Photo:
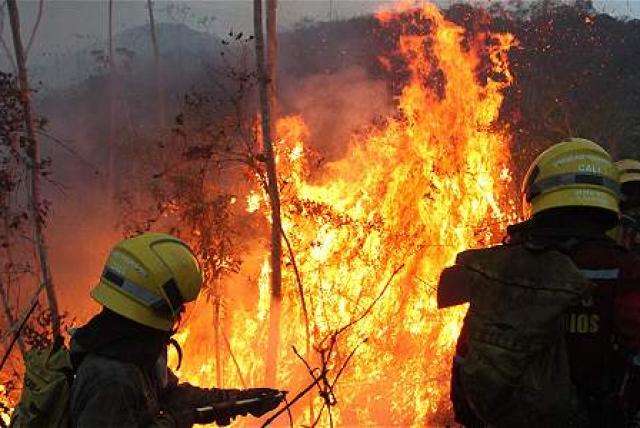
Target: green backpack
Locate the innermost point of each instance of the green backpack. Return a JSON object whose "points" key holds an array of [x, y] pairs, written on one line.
{"points": [[47, 388], [515, 371]]}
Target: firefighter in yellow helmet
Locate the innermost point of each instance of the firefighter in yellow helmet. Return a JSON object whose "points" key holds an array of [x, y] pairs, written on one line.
{"points": [[119, 356], [628, 233], [554, 319]]}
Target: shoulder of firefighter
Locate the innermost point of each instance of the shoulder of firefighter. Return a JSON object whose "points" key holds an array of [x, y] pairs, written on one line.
{"points": [[111, 393], [552, 333], [577, 312]]}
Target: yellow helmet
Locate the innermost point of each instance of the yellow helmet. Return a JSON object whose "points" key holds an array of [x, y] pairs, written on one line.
{"points": [[629, 170], [148, 279], [573, 173], [629, 185]]}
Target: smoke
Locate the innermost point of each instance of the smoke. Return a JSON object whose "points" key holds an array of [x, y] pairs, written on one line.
{"points": [[336, 105], [83, 223]]}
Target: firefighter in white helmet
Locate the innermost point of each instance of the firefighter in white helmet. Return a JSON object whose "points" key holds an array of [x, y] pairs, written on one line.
{"points": [[119, 356]]}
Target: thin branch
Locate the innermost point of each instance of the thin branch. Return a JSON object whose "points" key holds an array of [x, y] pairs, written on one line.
{"points": [[426, 284], [375, 301], [329, 393], [16, 327], [310, 370], [35, 28], [346, 362], [295, 399], [3, 44], [288, 407], [64, 144], [23, 322], [317, 419], [326, 387], [6, 308], [233, 358], [300, 289], [313, 376], [7, 52], [19, 156]]}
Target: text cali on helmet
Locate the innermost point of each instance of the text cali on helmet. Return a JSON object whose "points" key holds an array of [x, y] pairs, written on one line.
{"points": [[148, 279], [572, 174]]}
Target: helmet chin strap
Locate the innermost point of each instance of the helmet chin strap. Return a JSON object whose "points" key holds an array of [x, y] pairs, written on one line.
{"points": [[176, 345]]}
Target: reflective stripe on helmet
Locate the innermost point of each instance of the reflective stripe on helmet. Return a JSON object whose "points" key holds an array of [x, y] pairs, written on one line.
{"points": [[142, 294], [543, 185], [601, 274]]}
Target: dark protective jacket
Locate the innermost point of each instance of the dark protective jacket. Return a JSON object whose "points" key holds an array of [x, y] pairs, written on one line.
{"points": [[600, 338], [111, 393], [122, 380], [628, 232]]}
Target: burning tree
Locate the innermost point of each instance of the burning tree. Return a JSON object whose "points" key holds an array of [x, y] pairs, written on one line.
{"points": [[266, 67]]}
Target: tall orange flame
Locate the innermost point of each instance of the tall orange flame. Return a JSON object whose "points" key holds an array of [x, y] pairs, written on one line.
{"points": [[407, 197]]}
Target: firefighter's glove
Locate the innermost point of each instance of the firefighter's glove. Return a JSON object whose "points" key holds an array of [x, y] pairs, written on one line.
{"points": [[183, 402], [220, 417], [188, 416], [268, 399]]}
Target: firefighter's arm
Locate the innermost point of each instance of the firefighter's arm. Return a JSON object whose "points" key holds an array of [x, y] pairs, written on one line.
{"points": [[119, 405], [221, 406], [182, 401]]}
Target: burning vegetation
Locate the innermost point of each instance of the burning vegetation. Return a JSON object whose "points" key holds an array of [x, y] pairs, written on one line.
{"points": [[368, 235], [369, 218]]}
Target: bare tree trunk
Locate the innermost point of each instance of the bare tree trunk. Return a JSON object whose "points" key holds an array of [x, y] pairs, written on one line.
{"points": [[6, 310], [156, 57], [111, 143], [35, 200], [267, 95], [34, 30], [7, 281], [4, 46], [272, 57], [217, 326]]}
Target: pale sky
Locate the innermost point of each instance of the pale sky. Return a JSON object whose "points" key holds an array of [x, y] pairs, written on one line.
{"points": [[68, 25]]}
